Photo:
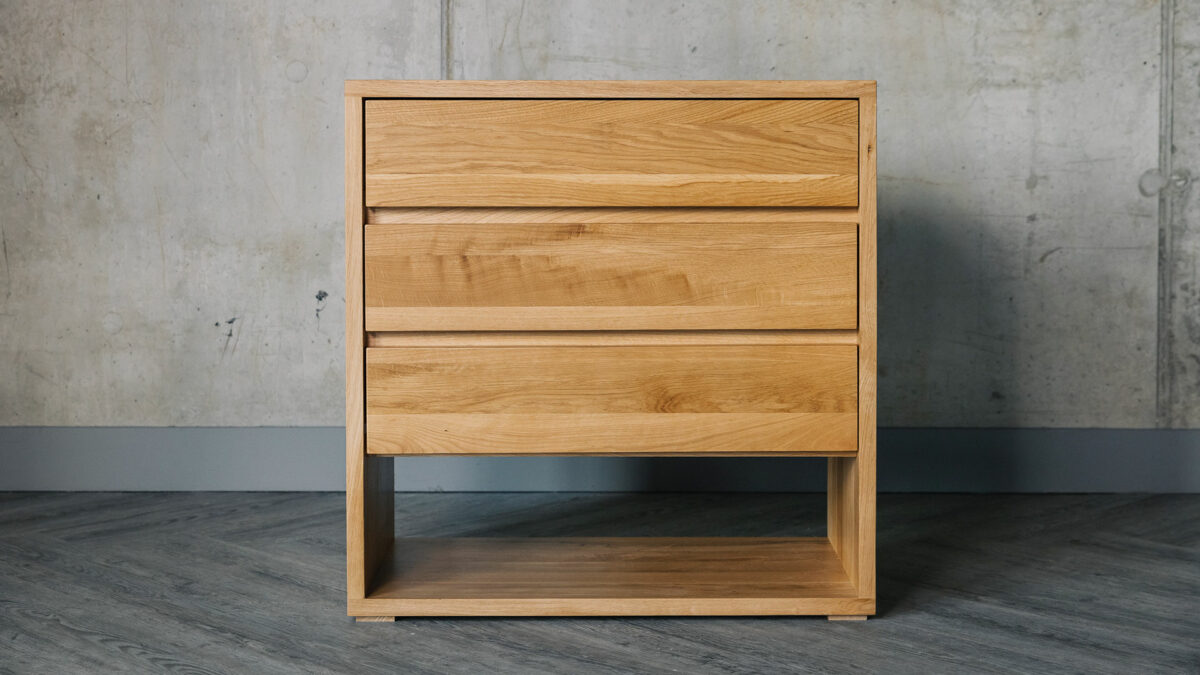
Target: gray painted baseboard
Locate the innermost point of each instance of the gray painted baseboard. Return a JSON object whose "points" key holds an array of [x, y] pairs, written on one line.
{"points": [[311, 458]]}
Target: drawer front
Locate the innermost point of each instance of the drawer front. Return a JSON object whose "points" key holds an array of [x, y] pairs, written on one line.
{"points": [[616, 276], [611, 152], [623, 399]]}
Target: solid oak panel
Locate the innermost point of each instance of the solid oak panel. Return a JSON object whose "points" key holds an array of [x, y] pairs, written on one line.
{"points": [[604, 189], [615, 567], [866, 466], [629, 434], [599, 317], [397, 215], [640, 399], [698, 605], [502, 576], [601, 338], [611, 153], [369, 482], [612, 379], [685, 89], [851, 499], [556, 276]]}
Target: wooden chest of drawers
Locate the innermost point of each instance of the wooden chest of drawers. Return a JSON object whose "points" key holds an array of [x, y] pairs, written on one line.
{"points": [[610, 268]]}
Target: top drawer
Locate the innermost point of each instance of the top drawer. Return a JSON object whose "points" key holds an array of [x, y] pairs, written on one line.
{"points": [[761, 152]]}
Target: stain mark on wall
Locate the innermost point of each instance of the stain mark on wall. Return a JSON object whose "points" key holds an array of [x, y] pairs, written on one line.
{"points": [[321, 295], [1031, 182], [36, 373], [230, 336], [1049, 253]]}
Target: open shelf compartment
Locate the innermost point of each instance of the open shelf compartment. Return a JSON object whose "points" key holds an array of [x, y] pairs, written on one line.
{"points": [[505, 576]]}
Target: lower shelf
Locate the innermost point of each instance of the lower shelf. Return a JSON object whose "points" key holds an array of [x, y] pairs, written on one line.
{"points": [[612, 576]]}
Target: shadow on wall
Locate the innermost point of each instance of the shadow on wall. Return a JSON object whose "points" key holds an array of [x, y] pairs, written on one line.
{"points": [[946, 325]]}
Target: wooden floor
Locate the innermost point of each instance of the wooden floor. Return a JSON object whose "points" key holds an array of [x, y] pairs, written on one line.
{"points": [[238, 583]]}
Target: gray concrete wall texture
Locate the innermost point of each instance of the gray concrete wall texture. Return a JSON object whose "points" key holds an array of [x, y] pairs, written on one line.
{"points": [[170, 214], [1179, 258]]}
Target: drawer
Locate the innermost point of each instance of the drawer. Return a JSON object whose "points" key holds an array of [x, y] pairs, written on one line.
{"points": [[610, 276], [620, 399], [762, 152]]}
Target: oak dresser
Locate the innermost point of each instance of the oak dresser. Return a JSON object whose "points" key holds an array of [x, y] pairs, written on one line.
{"points": [[610, 268]]}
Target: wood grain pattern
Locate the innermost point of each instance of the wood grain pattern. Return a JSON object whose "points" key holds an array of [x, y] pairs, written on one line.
{"points": [[613, 575], [611, 276], [842, 498], [611, 153], [611, 338], [718, 89], [867, 350], [851, 497], [605, 189], [600, 317], [612, 379], [395, 215], [640, 399], [369, 480], [356, 537], [700, 606], [626, 434]]}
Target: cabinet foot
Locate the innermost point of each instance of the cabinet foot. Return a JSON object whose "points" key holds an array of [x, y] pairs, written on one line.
{"points": [[374, 619], [847, 617]]}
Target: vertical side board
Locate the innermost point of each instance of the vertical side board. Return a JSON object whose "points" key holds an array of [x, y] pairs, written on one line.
{"points": [[852, 480], [369, 488], [868, 307]]}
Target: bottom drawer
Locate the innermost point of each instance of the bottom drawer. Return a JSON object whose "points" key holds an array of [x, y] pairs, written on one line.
{"points": [[639, 399]]}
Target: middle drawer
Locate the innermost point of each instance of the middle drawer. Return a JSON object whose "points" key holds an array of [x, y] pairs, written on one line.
{"points": [[610, 275]]}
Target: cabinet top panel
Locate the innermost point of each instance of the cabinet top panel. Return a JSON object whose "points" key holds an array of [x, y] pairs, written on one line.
{"points": [[610, 88]]}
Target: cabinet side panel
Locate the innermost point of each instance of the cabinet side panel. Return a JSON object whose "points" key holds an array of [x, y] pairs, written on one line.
{"points": [[355, 416], [867, 333], [378, 514], [851, 502], [368, 480], [843, 512]]}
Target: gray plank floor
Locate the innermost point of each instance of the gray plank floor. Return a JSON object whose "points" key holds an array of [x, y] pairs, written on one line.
{"points": [[254, 583]]}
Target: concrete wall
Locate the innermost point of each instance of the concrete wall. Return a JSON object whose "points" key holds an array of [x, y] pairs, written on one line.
{"points": [[1179, 256], [170, 213], [172, 205]]}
